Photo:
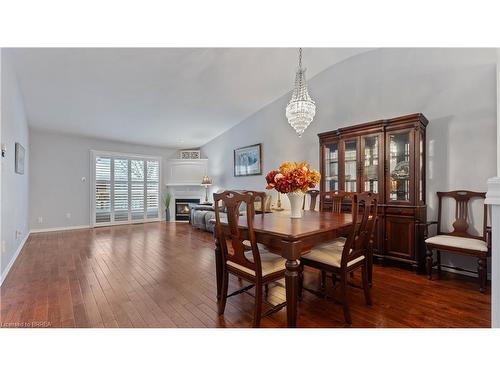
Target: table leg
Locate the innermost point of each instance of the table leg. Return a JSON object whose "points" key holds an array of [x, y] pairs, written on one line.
{"points": [[292, 289], [218, 268]]}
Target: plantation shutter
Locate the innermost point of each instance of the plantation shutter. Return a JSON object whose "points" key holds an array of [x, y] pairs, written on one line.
{"points": [[137, 191], [120, 208], [103, 190], [127, 189], [153, 189]]}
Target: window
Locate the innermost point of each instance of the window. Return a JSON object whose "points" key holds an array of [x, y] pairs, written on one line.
{"points": [[126, 188]]}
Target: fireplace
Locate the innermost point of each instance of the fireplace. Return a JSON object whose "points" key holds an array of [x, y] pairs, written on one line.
{"points": [[182, 208]]}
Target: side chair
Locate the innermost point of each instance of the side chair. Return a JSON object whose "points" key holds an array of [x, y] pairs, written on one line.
{"points": [[242, 256], [460, 241], [341, 257], [314, 196]]}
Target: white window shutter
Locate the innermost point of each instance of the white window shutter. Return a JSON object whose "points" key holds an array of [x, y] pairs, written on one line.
{"points": [[103, 190], [127, 189]]}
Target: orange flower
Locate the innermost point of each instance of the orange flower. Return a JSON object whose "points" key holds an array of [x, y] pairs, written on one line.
{"points": [[293, 176]]}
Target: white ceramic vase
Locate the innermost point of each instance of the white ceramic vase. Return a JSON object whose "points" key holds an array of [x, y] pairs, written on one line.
{"points": [[296, 200]]}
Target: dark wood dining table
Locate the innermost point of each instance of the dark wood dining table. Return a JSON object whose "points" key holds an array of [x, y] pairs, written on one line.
{"points": [[290, 238]]}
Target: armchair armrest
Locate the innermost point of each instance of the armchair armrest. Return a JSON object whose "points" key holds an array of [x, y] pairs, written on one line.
{"points": [[426, 227], [488, 237], [202, 208]]}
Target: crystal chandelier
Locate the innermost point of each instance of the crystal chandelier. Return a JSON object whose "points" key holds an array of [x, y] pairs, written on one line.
{"points": [[301, 109]]}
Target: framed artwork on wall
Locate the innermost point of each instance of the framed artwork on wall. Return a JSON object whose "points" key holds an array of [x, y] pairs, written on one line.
{"points": [[248, 160], [19, 159]]}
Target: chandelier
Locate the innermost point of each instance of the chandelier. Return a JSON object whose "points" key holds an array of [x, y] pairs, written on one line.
{"points": [[301, 109]]}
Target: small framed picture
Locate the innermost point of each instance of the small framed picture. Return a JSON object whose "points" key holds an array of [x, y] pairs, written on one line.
{"points": [[19, 159], [248, 160]]}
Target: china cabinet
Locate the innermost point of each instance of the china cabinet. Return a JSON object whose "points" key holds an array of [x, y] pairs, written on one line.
{"points": [[385, 157]]}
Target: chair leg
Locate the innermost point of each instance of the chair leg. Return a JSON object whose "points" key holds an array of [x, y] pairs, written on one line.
{"points": [[301, 280], [345, 302], [366, 285], [429, 263], [323, 280], [266, 289], [257, 312], [223, 298], [334, 279], [438, 254], [370, 267], [482, 273]]}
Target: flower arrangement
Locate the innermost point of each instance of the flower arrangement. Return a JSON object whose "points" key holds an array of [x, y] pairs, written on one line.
{"points": [[293, 177]]}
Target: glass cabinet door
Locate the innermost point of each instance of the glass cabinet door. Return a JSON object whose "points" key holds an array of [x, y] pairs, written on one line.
{"points": [[370, 163], [399, 166], [350, 165], [331, 176]]}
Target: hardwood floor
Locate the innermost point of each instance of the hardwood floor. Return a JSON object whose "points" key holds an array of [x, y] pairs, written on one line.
{"points": [[163, 275]]}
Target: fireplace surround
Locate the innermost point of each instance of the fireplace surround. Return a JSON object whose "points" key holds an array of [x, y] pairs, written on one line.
{"points": [[182, 208]]}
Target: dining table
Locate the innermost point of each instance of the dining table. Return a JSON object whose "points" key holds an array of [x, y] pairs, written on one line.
{"points": [[290, 238]]}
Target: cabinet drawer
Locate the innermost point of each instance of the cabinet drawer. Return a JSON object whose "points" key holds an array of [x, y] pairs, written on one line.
{"points": [[404, 211]]}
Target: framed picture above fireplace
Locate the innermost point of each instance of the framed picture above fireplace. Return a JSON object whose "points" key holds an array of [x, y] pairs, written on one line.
{"points": [[248, 160]]}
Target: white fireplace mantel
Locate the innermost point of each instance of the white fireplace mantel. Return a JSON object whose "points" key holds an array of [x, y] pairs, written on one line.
{"points": [[183, 179], [184, 191], [186, 172], [493, 199]]}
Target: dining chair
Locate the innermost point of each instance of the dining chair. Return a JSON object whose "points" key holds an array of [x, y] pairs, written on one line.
{"points": [[460, 241], [260, 199], [312, 203], [333, 201], [342, 257], [242, 256], [340, 203]]}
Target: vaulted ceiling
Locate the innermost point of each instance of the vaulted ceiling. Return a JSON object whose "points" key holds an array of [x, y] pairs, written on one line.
{"points": [[172, 97]]}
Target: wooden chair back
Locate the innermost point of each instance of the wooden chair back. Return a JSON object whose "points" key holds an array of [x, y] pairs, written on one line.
{"points": [[314, 196], [236, 251], [257, 196], [364, 217], [337, 199], [461, 223]]}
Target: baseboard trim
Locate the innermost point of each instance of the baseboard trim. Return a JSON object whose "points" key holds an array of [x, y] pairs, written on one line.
{"points": [[59, 229], [12, 261]]}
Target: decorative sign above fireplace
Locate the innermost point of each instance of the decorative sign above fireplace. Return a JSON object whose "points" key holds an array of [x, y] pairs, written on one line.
{"points": [[189, 154]]}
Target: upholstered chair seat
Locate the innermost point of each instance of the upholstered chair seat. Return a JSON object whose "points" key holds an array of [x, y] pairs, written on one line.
{"points": [[336, 244], [331, 255], [248, 246], [271, 263], [459, 242]]}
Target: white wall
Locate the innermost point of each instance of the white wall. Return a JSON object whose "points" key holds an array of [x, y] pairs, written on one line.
{"points": [[454, 88], [14, 187], [57, 165], [498, 112]]}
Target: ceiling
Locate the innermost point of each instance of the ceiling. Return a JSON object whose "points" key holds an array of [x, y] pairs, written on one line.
{"points": [[171, 97]]}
